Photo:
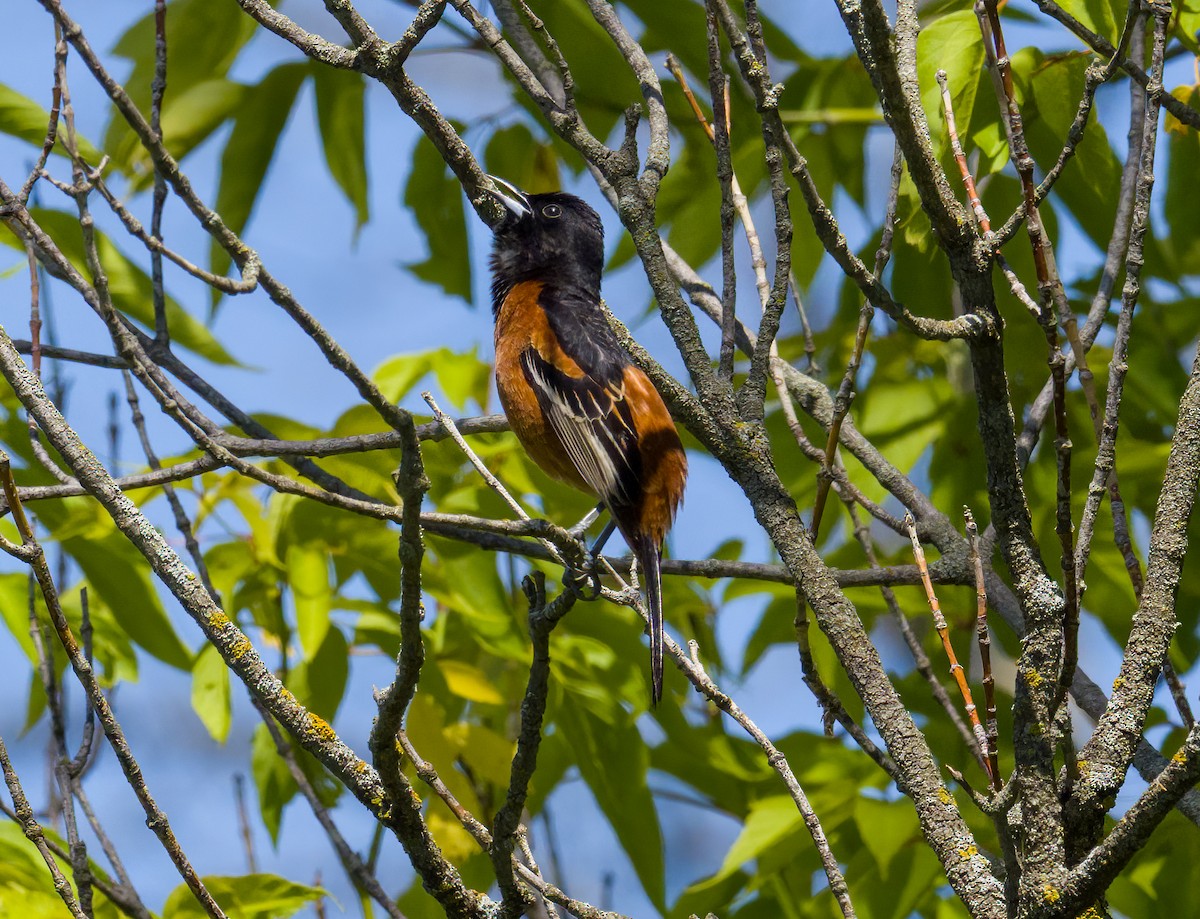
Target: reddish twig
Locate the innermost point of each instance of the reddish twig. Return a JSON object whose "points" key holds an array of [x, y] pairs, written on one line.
{"points": [[939, 623]]}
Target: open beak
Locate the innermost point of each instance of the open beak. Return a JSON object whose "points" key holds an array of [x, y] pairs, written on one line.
{"points": [[512, 198]]}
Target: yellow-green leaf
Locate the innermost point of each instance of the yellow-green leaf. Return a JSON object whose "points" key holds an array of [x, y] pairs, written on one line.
{"points": [[308, 575], [470, 682], [210, 693]]}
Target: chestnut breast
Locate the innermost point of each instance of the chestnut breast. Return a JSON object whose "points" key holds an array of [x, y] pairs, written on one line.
{"points": [[521, 323]]}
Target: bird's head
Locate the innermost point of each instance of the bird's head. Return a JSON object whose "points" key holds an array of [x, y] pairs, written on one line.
{"points": [[553, 237]]}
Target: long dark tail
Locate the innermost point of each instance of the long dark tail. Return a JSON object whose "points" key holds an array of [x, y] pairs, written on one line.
{"points": [[649, 556]]}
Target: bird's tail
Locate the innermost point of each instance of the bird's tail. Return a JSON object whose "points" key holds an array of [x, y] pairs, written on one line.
{"points": [[649, 557]]}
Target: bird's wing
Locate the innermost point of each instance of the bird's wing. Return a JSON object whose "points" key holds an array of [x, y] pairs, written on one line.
{"points": [[594, 420]]}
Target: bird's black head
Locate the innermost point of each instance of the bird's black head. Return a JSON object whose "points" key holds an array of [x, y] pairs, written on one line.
{"points": [[554, 237]]}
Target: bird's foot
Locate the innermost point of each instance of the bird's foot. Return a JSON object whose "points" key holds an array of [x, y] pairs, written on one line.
{"points": [[583, 579]]}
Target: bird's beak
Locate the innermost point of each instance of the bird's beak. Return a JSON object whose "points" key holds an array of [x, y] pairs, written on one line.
{"points": [[512, 198]]}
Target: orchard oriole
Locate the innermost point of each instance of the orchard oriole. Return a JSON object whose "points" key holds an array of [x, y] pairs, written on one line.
{"points": [[584, 413]]}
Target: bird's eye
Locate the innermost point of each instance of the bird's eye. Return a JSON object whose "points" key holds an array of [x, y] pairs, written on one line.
{"points": [[552, 211]]}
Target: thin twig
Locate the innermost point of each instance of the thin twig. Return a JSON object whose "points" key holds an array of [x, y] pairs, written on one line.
{"points": [[862, 533], [566, 550], [123, 899], [939, 623], [36, 835], [158, 87], [845, 393], [1053, 298], [428, 774], [985, 649], [243, 814]]}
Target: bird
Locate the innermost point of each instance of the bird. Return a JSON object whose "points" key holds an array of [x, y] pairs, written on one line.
{"points": [[580, 407]]}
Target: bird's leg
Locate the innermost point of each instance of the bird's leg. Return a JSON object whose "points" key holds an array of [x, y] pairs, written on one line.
{"points": [[609, 529], [589, 518], [584, 581]]}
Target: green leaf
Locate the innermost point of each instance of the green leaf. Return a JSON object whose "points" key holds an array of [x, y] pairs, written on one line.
{"points": [[114, 655], [466, 586], [190, 117], [463, 376], [274, 783], [775, 626], [1101, 16], [954, 44], [1162, 877], [513, 153], [118, 574], [212, 35], [1188, 26], [210, 693], [308, 574], [708, 895], [771, 820], [21, 117], [436, 201], [726, 770], [35, 705], [251, 896], [488, 753], [397, 376], [128, 285], [604, 86], [14, 608], [896, 895], [470, 682], [272, 780], [1050, 87], [26, 889], [248, 153], [889, 825], [613, 760], [1183, 165], [341, 120], [320, 682]]}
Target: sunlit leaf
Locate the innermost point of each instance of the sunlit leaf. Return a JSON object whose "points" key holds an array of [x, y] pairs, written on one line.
{"points": [[954, 44], [250, 896], [320, 682], [769, 821], [308, 574], [211, 33], [21, 117], [513, 153], [211, 698], [470, 683]]}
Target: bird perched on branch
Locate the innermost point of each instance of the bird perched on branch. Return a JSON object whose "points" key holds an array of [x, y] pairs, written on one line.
{"points": [[584, 413]]}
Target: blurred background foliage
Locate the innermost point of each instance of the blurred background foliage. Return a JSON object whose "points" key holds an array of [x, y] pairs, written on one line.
{"points": [[318, 589]]}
